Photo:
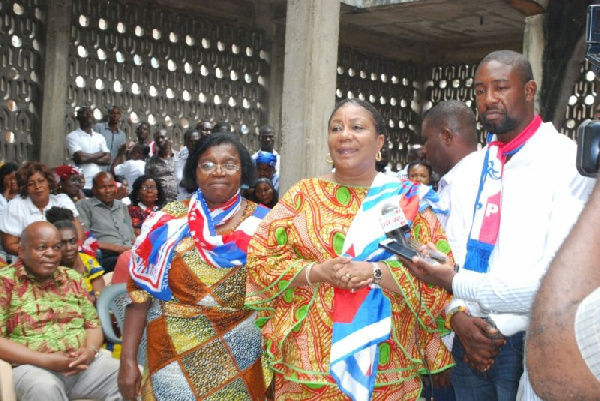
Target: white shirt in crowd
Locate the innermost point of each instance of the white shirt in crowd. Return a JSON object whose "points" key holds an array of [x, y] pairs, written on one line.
{"points": [[131, 170], [179, 166], [542, 196], [19, 213], [80, 140]]}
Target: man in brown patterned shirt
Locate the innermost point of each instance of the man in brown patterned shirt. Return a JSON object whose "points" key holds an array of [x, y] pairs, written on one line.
{"points": [[49, 328]]}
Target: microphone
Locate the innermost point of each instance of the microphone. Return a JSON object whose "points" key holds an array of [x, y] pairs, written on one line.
{"points": [[396, 228], [394, 223]]}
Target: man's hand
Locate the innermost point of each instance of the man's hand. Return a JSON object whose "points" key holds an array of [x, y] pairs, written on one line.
{"points": [[441, 379], [432, 273], [56, 361], [474, 335]]}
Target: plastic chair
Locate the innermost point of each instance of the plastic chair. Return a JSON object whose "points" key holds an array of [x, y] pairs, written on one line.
{"points": [[115, 299]]}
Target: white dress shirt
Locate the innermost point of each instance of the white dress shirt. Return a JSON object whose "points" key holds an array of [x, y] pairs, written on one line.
{"points": [[19, 213], [542, 196], [80, 140]]}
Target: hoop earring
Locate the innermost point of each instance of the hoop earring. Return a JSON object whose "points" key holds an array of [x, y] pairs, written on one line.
{"points": [[378, 156], [328, 158]]}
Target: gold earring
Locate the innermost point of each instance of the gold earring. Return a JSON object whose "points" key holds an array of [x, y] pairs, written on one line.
{"points": [[378, 156], [328, 158]]}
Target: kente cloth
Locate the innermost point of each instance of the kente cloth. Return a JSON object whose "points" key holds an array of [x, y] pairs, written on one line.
{"points": [[488, 204], [202, 342], [161, 232], [361, 320], [310, 224]]}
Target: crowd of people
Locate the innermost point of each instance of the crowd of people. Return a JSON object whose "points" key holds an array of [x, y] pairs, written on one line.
{"points": [[247, 295]]}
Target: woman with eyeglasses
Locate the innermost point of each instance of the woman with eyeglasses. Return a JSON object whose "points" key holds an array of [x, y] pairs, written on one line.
{"points": [[190, 260], [86, 265], [37, 187], [147, 196]]}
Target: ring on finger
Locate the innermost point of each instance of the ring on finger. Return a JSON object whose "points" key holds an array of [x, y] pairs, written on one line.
{"points": [[348, 275]]}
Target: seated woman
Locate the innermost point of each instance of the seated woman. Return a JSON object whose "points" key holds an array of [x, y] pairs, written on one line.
{"points": [[340, 316], [71, 182], [147, 196], [191, 256], [36, 186], [8, 184], [265, 193], [86, 265]]}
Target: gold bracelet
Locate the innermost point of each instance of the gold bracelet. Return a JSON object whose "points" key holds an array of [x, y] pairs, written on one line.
{"points": [[307, 273], [453, 312]]}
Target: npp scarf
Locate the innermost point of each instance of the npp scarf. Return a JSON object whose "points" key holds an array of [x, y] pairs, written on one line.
{"points": [[361, 320], [486, 214], [152, 253]]}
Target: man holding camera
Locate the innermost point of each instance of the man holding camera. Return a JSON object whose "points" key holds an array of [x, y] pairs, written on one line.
{"points": [[522, 204]]}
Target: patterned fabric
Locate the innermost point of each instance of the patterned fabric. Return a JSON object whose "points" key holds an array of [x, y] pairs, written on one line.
{"points": [[138, 215], [487, 208], [309, 225], [362, 320], [93, 270], [47, 318], [162, 232], [202, 343]]}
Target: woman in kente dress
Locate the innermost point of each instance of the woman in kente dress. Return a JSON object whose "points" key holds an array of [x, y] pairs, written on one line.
{"points": [[340, 316], [191, 256]]}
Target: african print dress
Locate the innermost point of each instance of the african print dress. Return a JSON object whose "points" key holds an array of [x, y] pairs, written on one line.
{"points": [[203, 343], [309, 225]]}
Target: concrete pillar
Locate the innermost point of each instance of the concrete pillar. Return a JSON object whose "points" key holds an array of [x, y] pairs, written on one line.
{"points": [[54, 94], [269, 18], [533, 49], [309, 82]]}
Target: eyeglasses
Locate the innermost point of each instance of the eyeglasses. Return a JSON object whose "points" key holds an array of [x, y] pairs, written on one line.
{"points": [[149, 188], [209, 167]]}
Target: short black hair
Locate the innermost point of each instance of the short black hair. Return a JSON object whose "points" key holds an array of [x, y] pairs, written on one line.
{"points": [[456, 115], [188, 133], [221, 125], [56, 213], [420, 163], [380, 127], [95, 179], [137, 185], [512, 58], [119, 178], [189, 171], [267, 181], [5, 170]]}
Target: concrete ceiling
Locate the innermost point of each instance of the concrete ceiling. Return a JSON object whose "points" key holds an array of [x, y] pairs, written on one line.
{"points": [[424, 31], [436, 31]]}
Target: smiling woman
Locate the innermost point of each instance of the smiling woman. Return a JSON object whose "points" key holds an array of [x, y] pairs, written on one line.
{"points": [[191, 256], [36, 189], [314, 265]]}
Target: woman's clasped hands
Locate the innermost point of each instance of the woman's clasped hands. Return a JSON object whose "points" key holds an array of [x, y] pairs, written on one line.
{"points": [[343, 272]]}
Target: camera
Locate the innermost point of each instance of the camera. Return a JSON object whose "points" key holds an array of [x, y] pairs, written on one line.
{"points": [[588, 133]]}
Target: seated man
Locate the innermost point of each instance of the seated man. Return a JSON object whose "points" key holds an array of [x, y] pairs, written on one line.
{"points": [[108, 219], [50, 330]]}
